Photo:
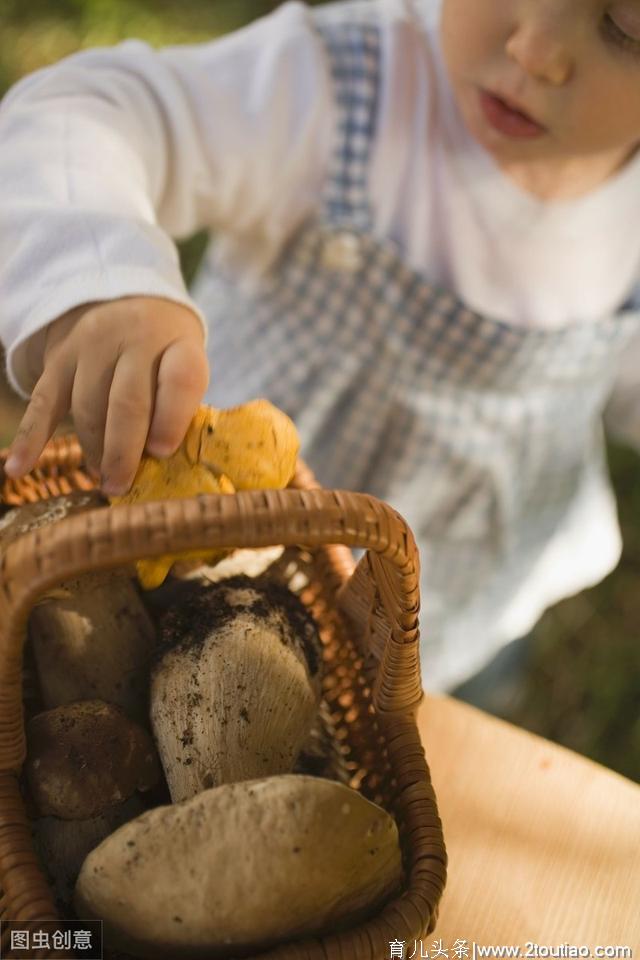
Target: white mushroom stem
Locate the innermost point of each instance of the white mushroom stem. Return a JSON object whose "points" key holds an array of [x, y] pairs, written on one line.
{"points": [[94, 639], [63, 845], [91, 636], [237, 685]]}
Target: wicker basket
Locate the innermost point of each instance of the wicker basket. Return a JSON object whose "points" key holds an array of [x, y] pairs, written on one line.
{"points": [[368, 619]]}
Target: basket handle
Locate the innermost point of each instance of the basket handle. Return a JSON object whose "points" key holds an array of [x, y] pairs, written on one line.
{"points": [[107, 538], [383, 587]]}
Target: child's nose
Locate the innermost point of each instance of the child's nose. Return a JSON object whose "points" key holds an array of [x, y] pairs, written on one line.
{"points": [[541, 47]]}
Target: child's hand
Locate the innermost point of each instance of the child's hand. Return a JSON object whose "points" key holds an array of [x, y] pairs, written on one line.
{"points": [[132, 372]]}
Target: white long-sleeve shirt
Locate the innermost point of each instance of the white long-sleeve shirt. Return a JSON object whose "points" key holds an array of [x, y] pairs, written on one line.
{"points": [[109, 154]]}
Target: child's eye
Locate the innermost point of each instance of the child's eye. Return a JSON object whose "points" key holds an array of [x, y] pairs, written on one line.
{"points": [[626, 36]]}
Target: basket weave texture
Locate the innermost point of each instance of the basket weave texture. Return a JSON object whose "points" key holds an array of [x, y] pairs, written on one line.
{"points": [[368, 620]]}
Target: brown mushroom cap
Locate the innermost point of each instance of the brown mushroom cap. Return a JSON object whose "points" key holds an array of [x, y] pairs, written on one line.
{"points": [[241, 867], [84, 757]]}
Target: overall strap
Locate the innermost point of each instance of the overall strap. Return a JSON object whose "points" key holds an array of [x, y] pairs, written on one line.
{"points": [[351, 36]]}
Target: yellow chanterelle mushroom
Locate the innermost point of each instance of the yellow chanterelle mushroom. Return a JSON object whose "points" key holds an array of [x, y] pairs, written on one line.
{"points": [[250, 447]]}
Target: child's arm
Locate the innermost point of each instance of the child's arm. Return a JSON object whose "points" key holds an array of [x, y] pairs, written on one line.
{"points": [[103, 159]]}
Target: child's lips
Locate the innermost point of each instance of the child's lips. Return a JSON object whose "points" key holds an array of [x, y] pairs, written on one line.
{"points": [[507, 119]]}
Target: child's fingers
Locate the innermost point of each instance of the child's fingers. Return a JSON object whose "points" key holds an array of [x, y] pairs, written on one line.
{"points": [[49, 403], [89, 403], [183, 376], [127, 422]]}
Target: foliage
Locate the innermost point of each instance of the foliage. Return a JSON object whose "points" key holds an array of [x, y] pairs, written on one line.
{"points": [[40, 32]]}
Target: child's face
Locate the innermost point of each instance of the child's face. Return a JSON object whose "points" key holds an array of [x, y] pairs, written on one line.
{"points": [[571, 66]]}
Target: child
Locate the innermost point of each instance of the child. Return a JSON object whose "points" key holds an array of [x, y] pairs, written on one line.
{"points": [[426, 253]]}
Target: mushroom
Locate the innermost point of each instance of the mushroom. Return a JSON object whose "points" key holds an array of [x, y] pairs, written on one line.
{"points": [[250, 447], [236, 686], [85, 757], [94, 639], [91, 636], [86, 763], [62, 845], [244, 562], [242, 867]]}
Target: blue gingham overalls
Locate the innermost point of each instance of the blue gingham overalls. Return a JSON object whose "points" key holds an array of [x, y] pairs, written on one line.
{"points": [[478, 432]]}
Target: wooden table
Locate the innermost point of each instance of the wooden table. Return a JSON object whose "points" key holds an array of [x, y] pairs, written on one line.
{"points": [[544, 845]]}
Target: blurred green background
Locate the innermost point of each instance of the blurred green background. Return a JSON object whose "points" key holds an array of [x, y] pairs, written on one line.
{"points": [[583, 685]]}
